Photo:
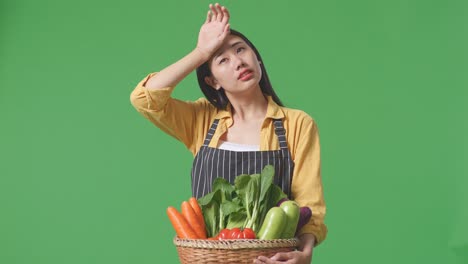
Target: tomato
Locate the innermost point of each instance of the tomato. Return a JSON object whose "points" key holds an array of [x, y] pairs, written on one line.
{"points": [[237, 233], [249, 233], [224, 234]]}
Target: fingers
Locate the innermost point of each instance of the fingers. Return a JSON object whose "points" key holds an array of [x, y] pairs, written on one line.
{"points": [[226, 15], [282, 256], [214, 10], [208, 17], [218, 13], [225, 31], [263, 260]]}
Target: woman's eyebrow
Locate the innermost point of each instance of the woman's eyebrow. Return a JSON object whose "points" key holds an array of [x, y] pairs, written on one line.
{"points": [[219, 54]]}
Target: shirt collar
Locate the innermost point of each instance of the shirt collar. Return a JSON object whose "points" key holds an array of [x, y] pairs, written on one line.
{"points": [[274, 111]]}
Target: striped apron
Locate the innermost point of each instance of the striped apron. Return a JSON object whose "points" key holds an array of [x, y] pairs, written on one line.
{"points": [[211, 163]]}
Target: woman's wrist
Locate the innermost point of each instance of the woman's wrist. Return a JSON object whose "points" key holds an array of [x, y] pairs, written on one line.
{"points": [[204, 55], [307, 243]]}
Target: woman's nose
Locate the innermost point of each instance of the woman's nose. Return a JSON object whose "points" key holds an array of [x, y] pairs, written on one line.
{"points": [[238, 62]]}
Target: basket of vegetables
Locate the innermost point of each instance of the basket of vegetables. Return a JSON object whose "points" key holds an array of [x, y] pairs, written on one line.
{"points": [[237, 223]]}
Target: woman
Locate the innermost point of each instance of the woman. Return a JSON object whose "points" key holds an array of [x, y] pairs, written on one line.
{"points": [[241, 126]]}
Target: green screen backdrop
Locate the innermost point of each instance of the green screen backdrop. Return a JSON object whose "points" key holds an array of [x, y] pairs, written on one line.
{"points": [[85, 179]]}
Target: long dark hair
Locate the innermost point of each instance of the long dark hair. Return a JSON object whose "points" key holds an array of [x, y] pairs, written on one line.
{"points": [[218, 97]]}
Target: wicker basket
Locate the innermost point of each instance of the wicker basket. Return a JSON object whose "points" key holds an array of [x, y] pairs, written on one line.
{"points": [[230, 251]]}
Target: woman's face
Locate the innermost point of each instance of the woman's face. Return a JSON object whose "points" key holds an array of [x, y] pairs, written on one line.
{"points": [[234, 66]]}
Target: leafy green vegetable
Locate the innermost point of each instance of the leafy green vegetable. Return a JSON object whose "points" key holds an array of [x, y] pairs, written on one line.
{"points": [[236, 219], [210, 213], [242, 205], [225, 187], [209, 198]]}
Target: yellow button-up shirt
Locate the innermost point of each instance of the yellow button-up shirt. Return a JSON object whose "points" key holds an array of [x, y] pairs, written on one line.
{"points": [[189, 122]]}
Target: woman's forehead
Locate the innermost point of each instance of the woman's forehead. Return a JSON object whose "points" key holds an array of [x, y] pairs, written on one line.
{"points": [[229, 42]]}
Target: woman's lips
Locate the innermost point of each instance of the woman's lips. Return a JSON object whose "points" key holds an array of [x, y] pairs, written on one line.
{"points": [[246, 76]]}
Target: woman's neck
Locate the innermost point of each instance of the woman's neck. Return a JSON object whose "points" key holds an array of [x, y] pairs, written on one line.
{"points": [[249, 108]]}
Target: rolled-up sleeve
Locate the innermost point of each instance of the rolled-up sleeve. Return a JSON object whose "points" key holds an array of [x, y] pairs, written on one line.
{"points": [[145, 100], [180, 119], [307, 189]]}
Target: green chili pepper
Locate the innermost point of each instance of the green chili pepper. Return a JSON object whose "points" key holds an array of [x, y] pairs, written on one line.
{"points": [[273, 224], [292, 211]]}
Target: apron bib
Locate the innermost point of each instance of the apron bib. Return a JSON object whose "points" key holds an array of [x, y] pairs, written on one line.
{"points": [[211, 163]]}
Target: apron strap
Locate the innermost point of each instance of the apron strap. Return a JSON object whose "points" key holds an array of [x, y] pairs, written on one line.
{"points": [[211, 132], [281, 133]]}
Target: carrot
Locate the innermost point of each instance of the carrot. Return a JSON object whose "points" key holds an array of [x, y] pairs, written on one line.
{"points": [[196, 207], [193, 220], [180, 225]]}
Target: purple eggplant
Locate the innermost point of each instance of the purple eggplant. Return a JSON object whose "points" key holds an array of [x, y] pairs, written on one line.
{"points": [[304, 217]]}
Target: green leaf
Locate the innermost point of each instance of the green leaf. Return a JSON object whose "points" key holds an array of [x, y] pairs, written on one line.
{"points": [[236, 219], [229, 207], [267, 175], [251, 200], [241, 182], [215, 195], [211, 214], [255, 180], [276, 195], [268, 170], [237, 200], [225, 188]]}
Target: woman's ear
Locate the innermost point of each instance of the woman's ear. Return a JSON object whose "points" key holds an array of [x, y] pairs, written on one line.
{"points": [[212, 82]]}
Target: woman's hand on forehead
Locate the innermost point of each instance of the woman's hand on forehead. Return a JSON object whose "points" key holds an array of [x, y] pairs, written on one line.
{"points": [[214, 31], [217, 13]]}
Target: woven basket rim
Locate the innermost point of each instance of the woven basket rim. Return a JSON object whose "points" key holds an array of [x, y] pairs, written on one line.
{"points": [[236, 243]]}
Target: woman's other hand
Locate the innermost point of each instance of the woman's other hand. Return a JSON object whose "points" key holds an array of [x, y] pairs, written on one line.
{"points": [[214, 31], [302, 256], [293, 257]]}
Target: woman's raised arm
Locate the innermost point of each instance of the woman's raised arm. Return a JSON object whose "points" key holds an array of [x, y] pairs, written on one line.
{"points": [[211, 36]]}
